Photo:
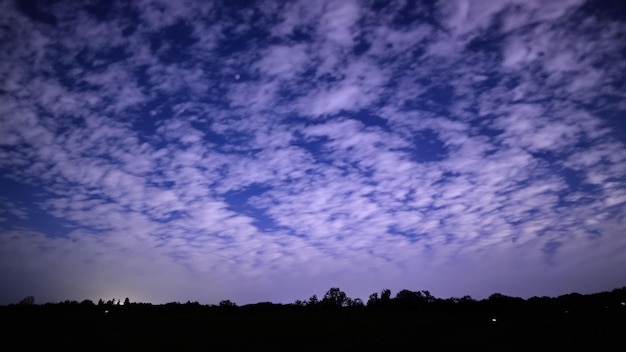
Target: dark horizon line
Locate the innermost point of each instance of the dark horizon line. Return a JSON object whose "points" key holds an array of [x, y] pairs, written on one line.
{"points": [[402, 296]]}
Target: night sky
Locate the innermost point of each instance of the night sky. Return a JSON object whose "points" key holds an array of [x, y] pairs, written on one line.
{"points": [[169, 151]]}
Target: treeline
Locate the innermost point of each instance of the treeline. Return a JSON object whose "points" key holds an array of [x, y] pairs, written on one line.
{"points": [[336, 299], [406, 320]]}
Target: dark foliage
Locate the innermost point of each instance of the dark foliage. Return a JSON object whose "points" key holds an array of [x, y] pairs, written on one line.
{"points": [[412, 320], [28, 300]]}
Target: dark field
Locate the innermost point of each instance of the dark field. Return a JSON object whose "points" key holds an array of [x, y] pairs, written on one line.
{"points": [[193, 327]]}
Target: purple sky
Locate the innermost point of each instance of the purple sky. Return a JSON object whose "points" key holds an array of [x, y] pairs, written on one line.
{"points": [[267, 151]]}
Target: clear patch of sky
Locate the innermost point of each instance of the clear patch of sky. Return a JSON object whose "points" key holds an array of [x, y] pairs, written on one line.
{"points": [[427, 147], [575, 179], [316, 147], [287, 93], [412, 237], [171, 216], [142, 76], [99, 60], [235, 41], [239, 143], [436, 99], [300, 35], [612, 118], [576, 182], [490, 42], [62, 70], [37, 219], [26, 193], [483, 126], [107, 10], [145, 128], [369, 119], [35, 10], [172, 43], [238, 202], [440, 94], [604, 10], [209, 136], [48, 224], [160, 184], [493, 80], [361, 46], [423, 11]]}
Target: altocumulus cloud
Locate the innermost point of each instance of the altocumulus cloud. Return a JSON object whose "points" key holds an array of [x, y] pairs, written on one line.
{"points": [[193, 150]]}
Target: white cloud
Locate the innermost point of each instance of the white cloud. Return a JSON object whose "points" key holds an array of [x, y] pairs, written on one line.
{"points": [[337, 21], [284, 61]]}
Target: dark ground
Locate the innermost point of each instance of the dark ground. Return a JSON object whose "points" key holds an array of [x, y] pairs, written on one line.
{"points": [[183, 327]]}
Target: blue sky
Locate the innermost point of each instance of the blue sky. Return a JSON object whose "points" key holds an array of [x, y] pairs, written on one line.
{"points": [[268, 150]]}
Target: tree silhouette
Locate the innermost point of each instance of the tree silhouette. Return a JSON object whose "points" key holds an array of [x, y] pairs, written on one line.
{"points": [[227, 304], [407, 297], [467, 299], [373, 299], [385, 295], [28, 300], [357, 302], [313, 301], [335, 298], [596, 321], [428, 298]]}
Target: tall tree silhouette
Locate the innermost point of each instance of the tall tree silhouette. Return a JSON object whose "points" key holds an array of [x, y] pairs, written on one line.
{"points": [[335, 298], [313, 301], [373, 299], [385, 295], [28, 300]]}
